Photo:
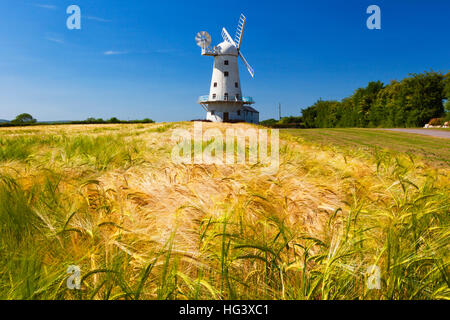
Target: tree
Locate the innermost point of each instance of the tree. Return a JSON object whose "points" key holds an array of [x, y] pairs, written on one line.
{"points": [[424, 95], [447, 111], [447, 96], [309, 116], [447, 86], [366, 104], [24, 118], [269, 122], [411, 102], [114, 120]]}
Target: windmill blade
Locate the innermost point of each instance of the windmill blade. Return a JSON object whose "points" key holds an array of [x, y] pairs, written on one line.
{"points": [[203, 39], [226, 37], [240, 30], [250, 69]]}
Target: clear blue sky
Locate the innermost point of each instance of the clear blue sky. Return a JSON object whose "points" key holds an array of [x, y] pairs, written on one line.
{"points": [[301, 51]]}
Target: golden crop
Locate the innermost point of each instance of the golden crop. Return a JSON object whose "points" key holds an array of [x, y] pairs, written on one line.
{"points": [[108, 199]]}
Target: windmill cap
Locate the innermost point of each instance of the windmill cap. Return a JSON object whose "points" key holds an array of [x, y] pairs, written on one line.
{"points": [[226, 48]]}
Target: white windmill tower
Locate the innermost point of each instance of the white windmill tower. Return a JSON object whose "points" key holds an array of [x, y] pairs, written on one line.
{"points": [[225, 101]]}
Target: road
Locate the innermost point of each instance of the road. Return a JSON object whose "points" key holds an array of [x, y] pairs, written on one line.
{"points": [[427, 132]]}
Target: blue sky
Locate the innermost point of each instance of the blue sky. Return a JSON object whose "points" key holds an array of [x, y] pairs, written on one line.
{"points": [[137, 59]]}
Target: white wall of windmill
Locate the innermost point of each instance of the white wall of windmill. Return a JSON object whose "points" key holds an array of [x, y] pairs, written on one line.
{"points": [[216, 112], [222, 85]]}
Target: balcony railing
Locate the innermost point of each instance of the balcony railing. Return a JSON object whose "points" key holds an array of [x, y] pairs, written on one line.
{"points": [[207, 98]]}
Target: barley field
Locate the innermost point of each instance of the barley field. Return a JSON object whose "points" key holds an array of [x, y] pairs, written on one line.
{"points": [[107, 198]]}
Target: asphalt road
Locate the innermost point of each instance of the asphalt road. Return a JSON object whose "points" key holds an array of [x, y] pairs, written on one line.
{"points": [[428, 132]]}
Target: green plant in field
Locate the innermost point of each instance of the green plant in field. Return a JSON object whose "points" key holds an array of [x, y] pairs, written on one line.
{"points": [[101, 152], [15, 149]]}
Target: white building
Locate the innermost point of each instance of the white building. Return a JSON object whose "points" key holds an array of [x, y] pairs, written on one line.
{"points": [[225, 102]]}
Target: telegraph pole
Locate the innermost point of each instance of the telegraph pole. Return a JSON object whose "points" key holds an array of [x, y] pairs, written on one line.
{"points": [[279, 111]]}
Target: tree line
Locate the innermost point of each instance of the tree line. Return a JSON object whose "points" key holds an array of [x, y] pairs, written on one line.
{"points": [[411, 102]]}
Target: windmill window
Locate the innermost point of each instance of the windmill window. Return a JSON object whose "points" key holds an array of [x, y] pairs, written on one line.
{"points": [[214, 95], [212, 112], [237, 97], [239, 112], [215, 84], [226, 97], [226, 74], [225, 62], [236, 85]]}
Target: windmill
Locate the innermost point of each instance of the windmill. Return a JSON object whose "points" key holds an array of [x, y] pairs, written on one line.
{"points": [[225, 102]]}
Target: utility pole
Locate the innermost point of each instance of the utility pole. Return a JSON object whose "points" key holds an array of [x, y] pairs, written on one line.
{"points": [[279, 111]]}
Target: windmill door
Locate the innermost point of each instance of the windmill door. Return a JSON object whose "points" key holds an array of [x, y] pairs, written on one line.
{"points": [[225, 117]]}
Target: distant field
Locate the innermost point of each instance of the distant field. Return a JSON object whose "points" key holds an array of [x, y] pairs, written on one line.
{"points": [[431, 149]]}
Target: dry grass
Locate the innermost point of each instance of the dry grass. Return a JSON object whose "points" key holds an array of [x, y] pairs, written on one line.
{"points": [[108, 198]]}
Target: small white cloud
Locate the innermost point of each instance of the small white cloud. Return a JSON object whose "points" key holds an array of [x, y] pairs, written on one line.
{"points": [[46, 6], [166, 51], [93, 18], [111, 53], [54, 39]]}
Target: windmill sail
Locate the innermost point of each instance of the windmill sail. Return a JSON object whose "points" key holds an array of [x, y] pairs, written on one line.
{"points": [[226, 37], [249, 68], [240, 30], [203, 39]]}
